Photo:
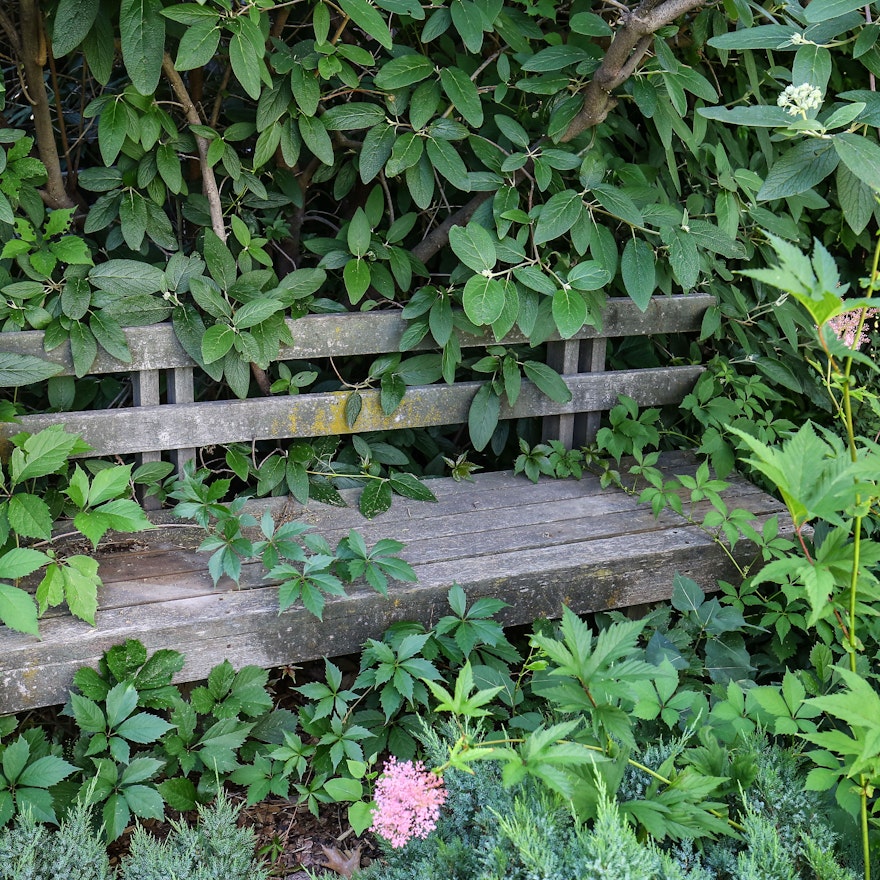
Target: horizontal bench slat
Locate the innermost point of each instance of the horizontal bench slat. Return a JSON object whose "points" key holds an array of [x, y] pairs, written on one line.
{"points": [[149, 428], [361, 333]]}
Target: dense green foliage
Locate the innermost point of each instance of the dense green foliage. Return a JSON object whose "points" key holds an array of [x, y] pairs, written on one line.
{"points": [[212, 849], [467, 164]]}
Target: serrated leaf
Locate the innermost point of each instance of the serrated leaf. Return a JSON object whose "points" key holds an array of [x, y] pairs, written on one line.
{"points": [[18, 610]]}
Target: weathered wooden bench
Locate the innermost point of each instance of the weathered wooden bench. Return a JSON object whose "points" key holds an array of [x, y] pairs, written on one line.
{"points": [[535, 546]]}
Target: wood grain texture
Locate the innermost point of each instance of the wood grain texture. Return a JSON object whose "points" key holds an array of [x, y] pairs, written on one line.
{"points": [[538, 547], [316, 336], [218, 422]]}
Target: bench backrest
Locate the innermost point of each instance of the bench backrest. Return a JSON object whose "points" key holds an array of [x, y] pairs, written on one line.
{"points": [[168, 420]]}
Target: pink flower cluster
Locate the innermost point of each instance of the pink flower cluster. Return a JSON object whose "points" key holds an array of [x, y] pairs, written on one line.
{"points": [[408, 800], [845, 326]]}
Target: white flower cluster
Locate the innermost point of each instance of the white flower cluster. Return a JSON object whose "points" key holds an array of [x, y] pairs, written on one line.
{"points": [[799, 99]]}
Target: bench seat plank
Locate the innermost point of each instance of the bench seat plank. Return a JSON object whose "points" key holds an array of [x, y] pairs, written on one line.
{"points": [[536, 547]]}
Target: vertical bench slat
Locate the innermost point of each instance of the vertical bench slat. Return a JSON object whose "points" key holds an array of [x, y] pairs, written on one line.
{"points": [[181, 389], [145, 392], [569, 357]]}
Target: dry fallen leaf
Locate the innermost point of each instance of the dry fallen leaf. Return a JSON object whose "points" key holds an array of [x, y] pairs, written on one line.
{"points": [[342, 861]]}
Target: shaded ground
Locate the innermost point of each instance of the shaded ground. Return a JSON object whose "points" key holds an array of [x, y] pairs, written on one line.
{"points": [[290, 838]]}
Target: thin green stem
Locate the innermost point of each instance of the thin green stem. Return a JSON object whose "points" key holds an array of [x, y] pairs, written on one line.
{"points": [[857, 539]]}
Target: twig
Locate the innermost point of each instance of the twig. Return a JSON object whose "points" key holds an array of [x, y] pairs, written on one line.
{"points": [[209, 181], [628, 46]]}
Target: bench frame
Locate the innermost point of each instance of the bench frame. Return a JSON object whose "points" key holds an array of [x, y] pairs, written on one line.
{"points": [[537, 547]]}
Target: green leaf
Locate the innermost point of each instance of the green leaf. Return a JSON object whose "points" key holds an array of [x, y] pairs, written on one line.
{"points": [[19, 562], [410, 486], [569, 312], [45, 772], [375, 499], [861, 156], [548, 380], [483, 299], [88, 714], [483, 416], [112, 129], [807, 163], [144, 801], [43, 453], [368, 18], [618, 203], [462, 92], [30, 516], [109, 483], [760, 116], [221, 263], [558, 215], [315, 137], [403, 71], [588, 275], [17, 610], [199, 43], [637, 267], [110, 336], [142, 33], [255, 312], [684, 258], [179, 793], [143, 727], [17, 370], [856, 199], [767, 36], [342, 789], [473, 245], [378, 144], [73, 20], [446, 160], [353, 116], [245, 57], [823, 10], [356, 275], [216, 342], [127, 277]]}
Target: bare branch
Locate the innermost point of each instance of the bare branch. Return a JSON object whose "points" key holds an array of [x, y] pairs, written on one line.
{"points": [[209, 181], [33, 56], [436, 240], [629, 45]]}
